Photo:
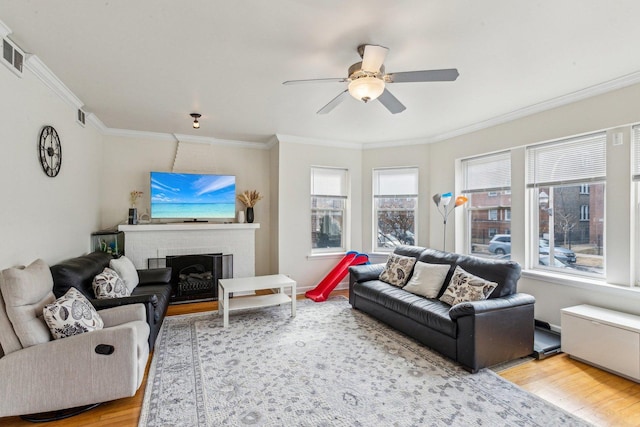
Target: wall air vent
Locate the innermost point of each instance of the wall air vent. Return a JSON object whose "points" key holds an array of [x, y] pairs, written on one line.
{"points": [[81, 117], [12, 56]]}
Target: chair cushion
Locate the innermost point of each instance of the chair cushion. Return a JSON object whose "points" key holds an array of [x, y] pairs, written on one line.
{"points": [[127, 272], [108, 284], [466, 287], [26, 290], [71, 314]]}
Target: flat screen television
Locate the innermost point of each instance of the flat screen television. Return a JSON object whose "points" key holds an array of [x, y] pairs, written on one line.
{"points": [[192, 196]]}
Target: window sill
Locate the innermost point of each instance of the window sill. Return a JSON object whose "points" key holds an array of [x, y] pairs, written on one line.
{"points": [[326, 255], [581, 282]]}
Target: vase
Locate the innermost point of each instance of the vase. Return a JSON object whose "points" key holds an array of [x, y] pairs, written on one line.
{"points": [[133, 216], [240, 217], [249, 215]]}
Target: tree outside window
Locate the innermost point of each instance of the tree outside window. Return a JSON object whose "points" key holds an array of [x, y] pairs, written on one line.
{"points": [[395, 201]]}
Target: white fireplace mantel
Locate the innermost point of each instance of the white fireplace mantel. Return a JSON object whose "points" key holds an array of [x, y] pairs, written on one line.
{"points": [[145, 241]]}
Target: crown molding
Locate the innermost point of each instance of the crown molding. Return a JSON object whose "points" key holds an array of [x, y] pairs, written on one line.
{"points": [[4, 30], [42, 72], [304, 140]]}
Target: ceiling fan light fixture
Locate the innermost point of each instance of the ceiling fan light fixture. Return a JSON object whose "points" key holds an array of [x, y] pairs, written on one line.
{"points": [[366, 88], [196, 123]]}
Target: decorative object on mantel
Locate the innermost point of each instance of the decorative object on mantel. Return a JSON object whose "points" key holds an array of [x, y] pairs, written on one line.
{"points": [[249, 199], [240, 217], [442, 204], [133, 211]]}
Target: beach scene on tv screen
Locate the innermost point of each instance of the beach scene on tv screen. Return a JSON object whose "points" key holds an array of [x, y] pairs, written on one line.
{"points": [[175, 195]]}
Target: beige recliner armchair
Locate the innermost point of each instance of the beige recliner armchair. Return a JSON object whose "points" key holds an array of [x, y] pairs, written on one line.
{"points": [[40, 374]]}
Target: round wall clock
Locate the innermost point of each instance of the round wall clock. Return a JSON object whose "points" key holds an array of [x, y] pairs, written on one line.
{"points": [[50, 151]]}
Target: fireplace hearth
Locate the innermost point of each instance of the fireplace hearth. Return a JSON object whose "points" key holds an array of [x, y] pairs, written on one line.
{"points": [[195, 277]]}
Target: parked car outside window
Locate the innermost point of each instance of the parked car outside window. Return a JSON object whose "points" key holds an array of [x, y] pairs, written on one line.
{"points": [[500, 244]]}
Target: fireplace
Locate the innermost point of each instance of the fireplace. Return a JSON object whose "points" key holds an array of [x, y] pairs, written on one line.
{"points": [[195, 277]]}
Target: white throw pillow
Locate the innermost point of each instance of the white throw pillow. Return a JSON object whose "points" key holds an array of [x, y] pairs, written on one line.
{"points": [[109, 285], [71, 314], [427, 279], [127, 272], [465, 287]]}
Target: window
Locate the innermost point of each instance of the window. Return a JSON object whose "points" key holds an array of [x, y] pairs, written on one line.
{"points": [[487, 184], [584, 213], [329, 191], [584, 189], [569, 227], [395, 201]]}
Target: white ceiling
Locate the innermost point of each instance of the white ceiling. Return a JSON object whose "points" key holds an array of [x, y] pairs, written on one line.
{"points": [[146, 64]]}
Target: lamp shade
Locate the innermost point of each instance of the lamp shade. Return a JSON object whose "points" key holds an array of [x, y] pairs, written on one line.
{"points": [[366, 88]]}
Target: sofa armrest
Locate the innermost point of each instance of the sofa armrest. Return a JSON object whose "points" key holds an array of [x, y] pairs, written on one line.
{"points": [[154, 275], [100, 304], [123, 314], [68, 372], [477, 307], [365, 272], [494, 331], [362, 273]]}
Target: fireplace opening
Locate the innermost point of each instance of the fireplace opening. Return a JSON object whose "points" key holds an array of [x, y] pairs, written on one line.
{"points": [[195, 277]]}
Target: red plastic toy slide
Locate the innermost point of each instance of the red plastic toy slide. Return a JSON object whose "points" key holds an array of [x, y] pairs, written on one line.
{"points": [[321, 292]]}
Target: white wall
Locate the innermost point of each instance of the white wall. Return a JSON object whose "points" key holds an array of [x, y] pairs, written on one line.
{"points": [[42, 217], [129, 161], [610, 110], [294, 210]]}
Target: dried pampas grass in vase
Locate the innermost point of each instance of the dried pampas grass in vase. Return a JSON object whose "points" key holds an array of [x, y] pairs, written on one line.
{"points": [[249, 198]]}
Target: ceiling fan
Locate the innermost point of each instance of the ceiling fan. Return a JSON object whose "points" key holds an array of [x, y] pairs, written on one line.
{"points": [[367, 80]]}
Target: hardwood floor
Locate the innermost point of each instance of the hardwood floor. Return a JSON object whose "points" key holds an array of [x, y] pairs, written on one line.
{"points": [[597, 396]]}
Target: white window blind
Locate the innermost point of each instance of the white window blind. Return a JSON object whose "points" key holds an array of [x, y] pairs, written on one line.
{"points": [[395, 182], [636, 152], [328, 182], [574, 160], [487, 173]]}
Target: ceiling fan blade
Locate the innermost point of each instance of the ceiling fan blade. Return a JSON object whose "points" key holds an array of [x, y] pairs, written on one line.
{"points": [[391, 102], [373, 57], [332, 80], [333, 103], [447, 75]]}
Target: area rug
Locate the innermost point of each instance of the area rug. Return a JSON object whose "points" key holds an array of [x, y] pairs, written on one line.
{"points": [[329, 366]]}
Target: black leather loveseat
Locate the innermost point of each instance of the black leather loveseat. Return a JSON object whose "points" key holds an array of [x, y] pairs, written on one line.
{"points": [[476, 334], [153, 290]]}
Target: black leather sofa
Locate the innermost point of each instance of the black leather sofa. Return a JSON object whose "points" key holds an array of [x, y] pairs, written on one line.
{"points": [[476, 334], [154, 289]]}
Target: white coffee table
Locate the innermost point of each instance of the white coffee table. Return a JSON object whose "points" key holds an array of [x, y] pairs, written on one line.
{"points": [[274, 281]]}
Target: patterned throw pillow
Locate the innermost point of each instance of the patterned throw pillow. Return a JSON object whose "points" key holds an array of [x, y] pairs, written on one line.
{"points": [[109, 285], [71, 314], [465, 287], [397, 270]]}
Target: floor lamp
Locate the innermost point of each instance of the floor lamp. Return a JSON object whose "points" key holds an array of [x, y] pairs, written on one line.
{"points": [[443, 204]]}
